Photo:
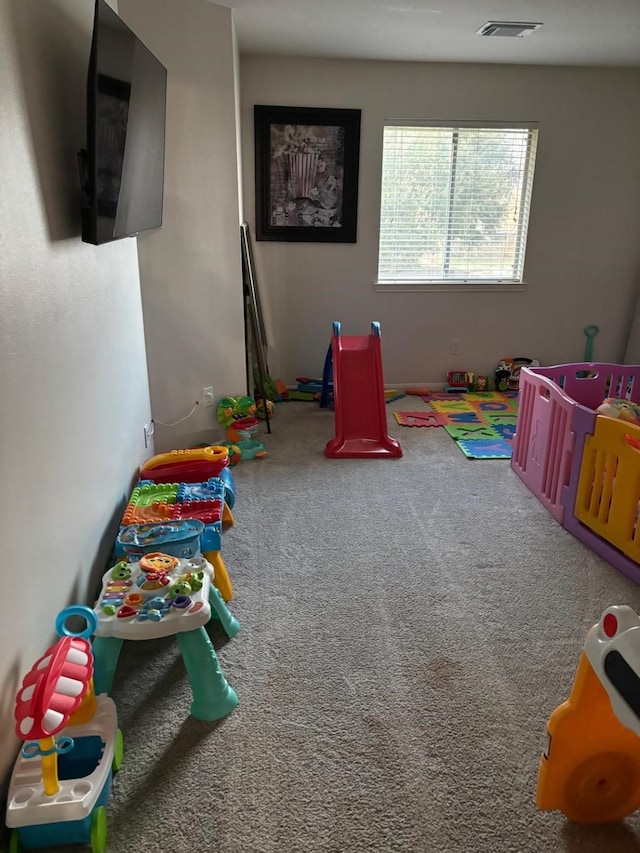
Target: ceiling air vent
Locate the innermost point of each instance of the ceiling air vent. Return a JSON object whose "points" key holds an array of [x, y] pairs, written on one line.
{"points": [[509, 29]]}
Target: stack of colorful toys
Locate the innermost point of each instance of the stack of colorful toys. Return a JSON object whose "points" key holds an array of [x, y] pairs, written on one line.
{"points": [[168, 579]]}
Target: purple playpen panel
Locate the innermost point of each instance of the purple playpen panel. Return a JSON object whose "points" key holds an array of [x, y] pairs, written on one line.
{"points": [[603, 548], [588, 383], [584, 422], [543, 443]]}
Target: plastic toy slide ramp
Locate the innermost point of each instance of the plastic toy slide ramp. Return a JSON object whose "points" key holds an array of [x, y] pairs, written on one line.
{"points": [[358, 396]]}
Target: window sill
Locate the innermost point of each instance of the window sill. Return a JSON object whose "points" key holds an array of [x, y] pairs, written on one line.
{"points": [[448, 287]]}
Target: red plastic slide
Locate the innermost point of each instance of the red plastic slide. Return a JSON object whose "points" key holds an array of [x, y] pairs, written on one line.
{"points": [[358, 396]]}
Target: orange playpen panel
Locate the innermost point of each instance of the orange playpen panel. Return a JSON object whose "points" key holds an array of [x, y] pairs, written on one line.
{"points": [[608, 490]]}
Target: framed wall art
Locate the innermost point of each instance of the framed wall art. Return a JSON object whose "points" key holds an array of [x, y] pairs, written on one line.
{"points": [[307, 162]]}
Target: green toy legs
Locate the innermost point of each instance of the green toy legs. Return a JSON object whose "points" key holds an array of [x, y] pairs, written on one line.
{"points": [[213, 697], [106, 651], [221, 612]]}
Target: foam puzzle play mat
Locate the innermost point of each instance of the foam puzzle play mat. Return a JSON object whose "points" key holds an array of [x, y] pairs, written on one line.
{"points": [[482, 423]]}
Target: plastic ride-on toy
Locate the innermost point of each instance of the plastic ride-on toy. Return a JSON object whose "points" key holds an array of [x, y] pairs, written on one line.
{"points": [[590, 770]]}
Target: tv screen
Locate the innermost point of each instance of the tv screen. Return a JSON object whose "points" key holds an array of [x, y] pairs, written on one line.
{"points": [[123, 165]]}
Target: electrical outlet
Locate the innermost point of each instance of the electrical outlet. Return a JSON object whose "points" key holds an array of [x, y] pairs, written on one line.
{"points": [[207, 396], [455, 347], [148, 432]]}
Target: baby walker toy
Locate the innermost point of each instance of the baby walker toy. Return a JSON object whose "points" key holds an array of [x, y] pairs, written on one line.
{"points": [[590, 769], [60, 798]]}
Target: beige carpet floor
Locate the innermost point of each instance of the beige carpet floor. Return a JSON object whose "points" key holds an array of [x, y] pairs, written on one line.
{"points": [[407, 628]]}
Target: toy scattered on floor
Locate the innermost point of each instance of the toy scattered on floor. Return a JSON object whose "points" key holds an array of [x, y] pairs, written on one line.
{"points": [[232, 409], [235, 454], [506, 377], [240, 436], [502, 374], [427, 418], [274, 389], [309, 386], [260, 409], [311, 390], [457, 381], [516, 366], [61, 780], [624, 410], [238, 415], [304, 396], [282, 390], [418, 391], [590, 769], [507, 373], [390, 395]]}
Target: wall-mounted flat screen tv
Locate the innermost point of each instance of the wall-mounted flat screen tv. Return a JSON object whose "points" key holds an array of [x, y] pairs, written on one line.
{"points": [[123, 165]]}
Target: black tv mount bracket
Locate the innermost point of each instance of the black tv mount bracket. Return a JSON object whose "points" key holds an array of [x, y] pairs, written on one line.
{"points": [[83, 169]]}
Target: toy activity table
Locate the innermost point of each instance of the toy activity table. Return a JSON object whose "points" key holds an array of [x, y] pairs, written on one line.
{"points": [[161, 596], [166, 502]]}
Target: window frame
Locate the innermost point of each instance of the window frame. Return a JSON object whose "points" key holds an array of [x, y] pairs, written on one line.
{"points": [[450, 285]]}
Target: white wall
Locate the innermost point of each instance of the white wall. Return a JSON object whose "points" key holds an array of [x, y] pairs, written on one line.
{"points": [[583, 254], [632, 352], [73, 380], [190, 269]]}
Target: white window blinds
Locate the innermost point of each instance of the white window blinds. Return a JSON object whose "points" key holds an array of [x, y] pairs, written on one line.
{"points": [[455, 203]]}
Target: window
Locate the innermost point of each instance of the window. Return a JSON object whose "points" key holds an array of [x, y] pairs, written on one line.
{"points": [[455, 203]]}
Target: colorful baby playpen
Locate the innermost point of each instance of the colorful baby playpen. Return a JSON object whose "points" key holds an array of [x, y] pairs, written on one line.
{"points": [[583, 467]]}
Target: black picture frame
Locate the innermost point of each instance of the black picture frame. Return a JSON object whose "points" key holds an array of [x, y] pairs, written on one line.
{"points": [[307, 161]]}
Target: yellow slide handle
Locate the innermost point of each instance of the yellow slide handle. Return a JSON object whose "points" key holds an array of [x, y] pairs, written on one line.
{"points": [[212, 453]]}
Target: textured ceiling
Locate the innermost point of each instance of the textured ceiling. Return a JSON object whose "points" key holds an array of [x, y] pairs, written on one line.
{"points": [[575, 32]]}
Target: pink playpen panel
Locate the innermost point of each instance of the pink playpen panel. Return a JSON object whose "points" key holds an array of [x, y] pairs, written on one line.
{"points": [[545, 437], [543, 443]]}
